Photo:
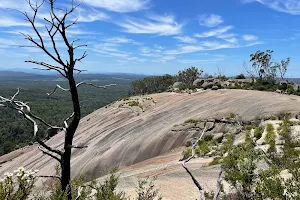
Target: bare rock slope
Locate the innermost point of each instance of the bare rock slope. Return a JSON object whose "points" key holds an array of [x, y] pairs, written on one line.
{"points": [[120, 136]]}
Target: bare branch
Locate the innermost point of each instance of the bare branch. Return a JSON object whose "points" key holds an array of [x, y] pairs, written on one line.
{"points": [[66, 121], [48, 67], [79, 190], [200, 188], [49, 154], [49, 148], [219, 184], [57, 87], [79, 84]]}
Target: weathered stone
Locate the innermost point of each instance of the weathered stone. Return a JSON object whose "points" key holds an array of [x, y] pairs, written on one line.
{"points": [[198, 82], [218, 137], [215, 87], [279, 91], [207, 85], [210, 125], [200, 125]]}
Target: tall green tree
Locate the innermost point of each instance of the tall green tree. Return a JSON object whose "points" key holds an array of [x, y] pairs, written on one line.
{"points": [[189, 75]]}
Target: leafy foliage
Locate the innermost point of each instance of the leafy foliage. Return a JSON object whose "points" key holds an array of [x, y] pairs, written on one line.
{"points": [[188, 76], [152, 84]]}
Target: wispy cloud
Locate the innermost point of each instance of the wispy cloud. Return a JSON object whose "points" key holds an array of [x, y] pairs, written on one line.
{"points": [[90, 15], [287, 6], [198, 61], [186, 39], [214, 32], [121, 40], [121, 6], [210, 20], [204, 46], [158, 25], [10, 21], [250, 37]]}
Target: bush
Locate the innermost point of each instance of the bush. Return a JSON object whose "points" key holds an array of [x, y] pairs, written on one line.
{"points": [[208, 138], [270, 136], [133, 103], [192, 121], [250, 127], [258, 132], [216, 161], [146, 191], [186, 154], [203, 149], [240, 76], [17, 185]]}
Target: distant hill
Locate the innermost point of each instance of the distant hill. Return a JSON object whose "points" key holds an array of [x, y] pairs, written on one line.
{"points": [[7, 75]]}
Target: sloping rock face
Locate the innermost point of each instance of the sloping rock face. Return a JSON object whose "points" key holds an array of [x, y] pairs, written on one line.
{"points": [[117, 136]]}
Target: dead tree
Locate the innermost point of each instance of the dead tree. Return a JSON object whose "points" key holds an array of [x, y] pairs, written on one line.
{"points": [[200, 188], [58, 25]]}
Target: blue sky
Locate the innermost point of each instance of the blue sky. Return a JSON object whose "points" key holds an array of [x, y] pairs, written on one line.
{"points": [[163, 36]]}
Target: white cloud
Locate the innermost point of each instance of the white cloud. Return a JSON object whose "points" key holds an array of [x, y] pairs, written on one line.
{"points": [[121, 40], [9, 21], [287, 6], [211, 20], [204, 46], [151, 52], [186, 39], [119, 5], [227, 35], [250, 37], [231, 40], [91, 16], [214, 32], [198, 61], [159, 25]]}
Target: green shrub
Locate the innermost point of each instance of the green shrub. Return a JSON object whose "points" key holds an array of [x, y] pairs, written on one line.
{"points": [[270, 136], [186, 154], [240, 76], [208, 137], [203, 149], [290, 89], [250, 127], [146, 191], [258, 132], [133, 103], [17, 185], [216, 161], [192, 121], [232, 115], [269, 127]]}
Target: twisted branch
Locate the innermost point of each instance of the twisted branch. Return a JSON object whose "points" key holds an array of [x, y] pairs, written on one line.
{"points": [[200, 188], [79, 84]]}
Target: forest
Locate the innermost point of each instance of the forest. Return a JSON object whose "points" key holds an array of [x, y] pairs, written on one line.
{"points": [[15, 132]]}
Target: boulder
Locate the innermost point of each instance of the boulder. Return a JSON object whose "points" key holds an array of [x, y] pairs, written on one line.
{"points": [[198, 82], [207, 85], [177, 85], [209, 125], [215, 87], [279, 91], [218, 137]]}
